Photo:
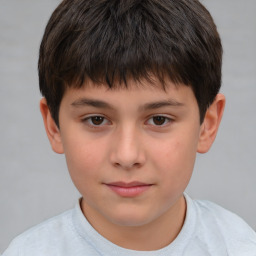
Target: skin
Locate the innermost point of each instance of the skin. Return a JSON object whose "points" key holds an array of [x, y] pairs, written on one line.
{"points": [[131, 153]]}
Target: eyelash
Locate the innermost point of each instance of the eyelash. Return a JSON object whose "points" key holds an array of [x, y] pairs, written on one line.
{"points": [[105, 121], [88, 120], [167, 120]]}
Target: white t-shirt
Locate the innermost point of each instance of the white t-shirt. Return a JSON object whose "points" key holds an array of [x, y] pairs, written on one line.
{"points": [[208, 230]]}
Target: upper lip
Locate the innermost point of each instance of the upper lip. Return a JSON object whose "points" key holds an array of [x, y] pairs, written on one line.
{"points": [[128, 184]]}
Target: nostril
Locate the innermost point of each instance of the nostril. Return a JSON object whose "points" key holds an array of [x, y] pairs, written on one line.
{"points": [[127, 166]]}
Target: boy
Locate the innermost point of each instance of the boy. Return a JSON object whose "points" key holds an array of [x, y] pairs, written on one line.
{"points": [[130, 95]]}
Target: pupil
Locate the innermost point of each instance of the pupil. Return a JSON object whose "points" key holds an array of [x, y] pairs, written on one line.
{"points": [[159, 120], [97, 120]]}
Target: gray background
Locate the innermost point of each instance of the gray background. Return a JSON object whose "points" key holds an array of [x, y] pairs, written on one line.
{"points": [[34, 182]]}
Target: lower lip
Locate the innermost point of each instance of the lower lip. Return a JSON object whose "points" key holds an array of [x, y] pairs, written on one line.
{"points": [[129, 191]]}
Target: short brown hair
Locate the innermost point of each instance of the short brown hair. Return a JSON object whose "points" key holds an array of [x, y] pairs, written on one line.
{"points": [[110, 41]]}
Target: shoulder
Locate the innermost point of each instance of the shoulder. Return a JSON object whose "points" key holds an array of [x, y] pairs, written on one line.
{"points": [[225, 219], [216, 225], [48, 232]]}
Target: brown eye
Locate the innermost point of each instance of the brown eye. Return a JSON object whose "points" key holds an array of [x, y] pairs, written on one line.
{"points": [[97, 120], [159, 120]]}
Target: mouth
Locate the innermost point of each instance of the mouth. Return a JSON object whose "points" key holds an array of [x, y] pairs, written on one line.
{"points": [[130, 189]]}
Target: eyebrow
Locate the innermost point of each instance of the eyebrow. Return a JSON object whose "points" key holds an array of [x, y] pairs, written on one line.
{"points": [[104, 105], [91, 102], [160, 104]]}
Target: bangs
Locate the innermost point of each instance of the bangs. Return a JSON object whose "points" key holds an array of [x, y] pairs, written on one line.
{"points": [[112, 41]]}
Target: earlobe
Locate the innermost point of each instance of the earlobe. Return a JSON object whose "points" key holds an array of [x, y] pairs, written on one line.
{"points": [[211, 124], [51, 128]]}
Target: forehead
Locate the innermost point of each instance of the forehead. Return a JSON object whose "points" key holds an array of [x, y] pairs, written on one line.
{"points": [[133, 92], [150, 82]]}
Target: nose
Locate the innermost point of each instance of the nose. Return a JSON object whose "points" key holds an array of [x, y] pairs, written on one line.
{"points": [[127, 149]]}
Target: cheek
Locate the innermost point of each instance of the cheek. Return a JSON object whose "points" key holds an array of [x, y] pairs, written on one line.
{"points": [[175, 160], [84, 160]]}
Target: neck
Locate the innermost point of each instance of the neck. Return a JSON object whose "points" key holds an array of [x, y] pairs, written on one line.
{"points": [[148, 237]]}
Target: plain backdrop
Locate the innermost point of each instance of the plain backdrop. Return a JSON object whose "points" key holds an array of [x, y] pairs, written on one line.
{"points": [[34, 181]]}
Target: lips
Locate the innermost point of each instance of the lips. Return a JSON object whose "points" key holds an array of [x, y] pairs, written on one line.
{"points": [[130, 189]]}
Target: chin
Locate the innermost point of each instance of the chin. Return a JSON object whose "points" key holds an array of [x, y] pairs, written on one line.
{"points": [[131, 219]]}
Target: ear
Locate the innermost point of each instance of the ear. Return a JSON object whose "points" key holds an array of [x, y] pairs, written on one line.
{"points": [[52, 130], [210, 125]]}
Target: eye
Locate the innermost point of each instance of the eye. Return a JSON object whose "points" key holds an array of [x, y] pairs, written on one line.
{"points": [[96, 120], [159, 120]]}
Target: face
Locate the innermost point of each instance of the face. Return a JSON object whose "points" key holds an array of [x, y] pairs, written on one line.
{"points": [[130, 152]]}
